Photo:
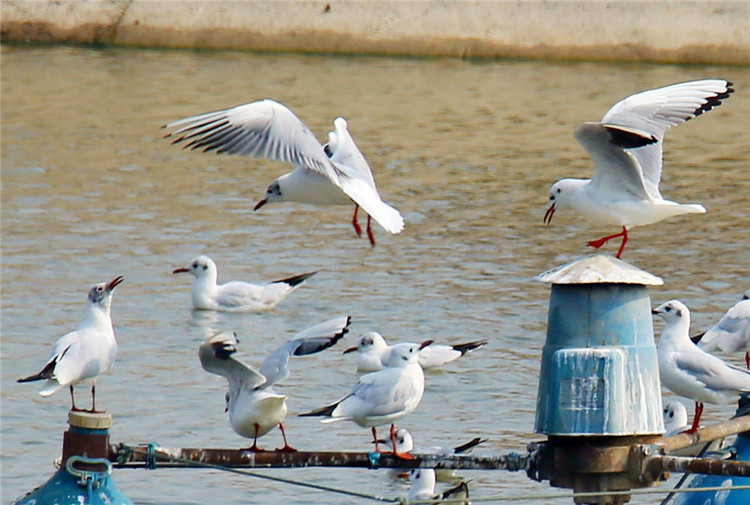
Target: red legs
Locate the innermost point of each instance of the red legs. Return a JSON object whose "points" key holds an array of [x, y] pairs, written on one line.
{"points": [[287, 447], [254, 447], [697, 418], [93, 399], [369, 231], [358, 228], [402, 455], [73, 400], [355, 223], [747, 359], [596, 244], [375, 439]]}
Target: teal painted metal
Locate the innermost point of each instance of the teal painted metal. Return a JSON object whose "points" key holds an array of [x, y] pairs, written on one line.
{"points": [[73, 486], [599, 374]]}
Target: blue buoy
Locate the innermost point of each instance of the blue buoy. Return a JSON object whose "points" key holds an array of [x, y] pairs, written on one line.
{"points": [[599, 374], [86, 474]]}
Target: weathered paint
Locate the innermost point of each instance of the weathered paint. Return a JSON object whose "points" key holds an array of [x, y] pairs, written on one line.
{"points": [[600, 374]]}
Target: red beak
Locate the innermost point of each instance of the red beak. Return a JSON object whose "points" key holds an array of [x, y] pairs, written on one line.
{"points": [[351, 349], [117, 280], [425, 344], [548, 215], [180, 270], [261, 204]]}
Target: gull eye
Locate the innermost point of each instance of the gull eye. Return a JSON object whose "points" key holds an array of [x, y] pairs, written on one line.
{"points": [[551, 198], [559, 191], [195, 265], [668, 309]]}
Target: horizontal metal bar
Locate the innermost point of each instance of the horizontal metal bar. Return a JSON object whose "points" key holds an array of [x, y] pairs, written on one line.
{"points": [[707, 434], [124, 456], [700, 465]]}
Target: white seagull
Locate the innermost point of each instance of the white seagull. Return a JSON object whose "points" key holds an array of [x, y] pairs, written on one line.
{"points": [[80, 356], [235, 296], [423, 488], [374, 352], [626, 147], [691, 372], [675, 418], [381, 397], [334, 174], [254, 407], [405, 443], [732, 332]]}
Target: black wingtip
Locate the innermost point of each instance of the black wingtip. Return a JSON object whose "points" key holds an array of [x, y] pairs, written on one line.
{"points": [[469, 445], [296, 280], [469, 346], [697, 338], [323, 411], [715, 100], [46, 373]]}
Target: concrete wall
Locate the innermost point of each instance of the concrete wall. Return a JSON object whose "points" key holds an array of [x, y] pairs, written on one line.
{"points": [[636, 30]]}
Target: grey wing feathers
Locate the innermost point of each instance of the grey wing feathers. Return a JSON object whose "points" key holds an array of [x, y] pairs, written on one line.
{"points": [[714, 373], [215, 356], [259, 129], [310, 341]]}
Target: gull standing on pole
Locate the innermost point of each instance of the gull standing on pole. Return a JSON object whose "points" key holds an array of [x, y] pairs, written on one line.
{"points": [[254, 407], [235, 296], [626, 147], [80, 356], [732, 332], [691, 372], [334, 174], [374, 352], [381, 397]]}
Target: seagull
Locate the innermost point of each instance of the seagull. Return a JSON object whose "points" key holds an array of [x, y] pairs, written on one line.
{"points": [[235, 296], [80, 356], [423, 488], [405, 443], [626, 147], [675, 418], [381, 397], [732, 332], [374, 352], [332, 174], [691, 372], [254, 407]]}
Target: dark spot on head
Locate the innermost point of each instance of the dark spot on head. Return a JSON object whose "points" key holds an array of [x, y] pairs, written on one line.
{"points": [[679, 313]]}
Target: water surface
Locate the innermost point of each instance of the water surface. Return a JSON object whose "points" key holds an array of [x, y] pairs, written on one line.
{"points": [[465, 150]]}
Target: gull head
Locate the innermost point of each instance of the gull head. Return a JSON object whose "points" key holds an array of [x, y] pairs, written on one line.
{"points": [[422, 483], [101, 294], [272, 193], [199, 267], [405, 354], [675, 416], [674, 312], [368, 341], [560, 195]]}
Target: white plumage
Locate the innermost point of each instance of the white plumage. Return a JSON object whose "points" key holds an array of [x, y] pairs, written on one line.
{"points": [[732, 332], [626, 146], [333, 174], [235, 296]]}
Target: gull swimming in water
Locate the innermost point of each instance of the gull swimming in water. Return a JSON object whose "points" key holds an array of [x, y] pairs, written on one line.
{"points": [[334, 174], [381, 397], [235, 296], [626, 146], [254, 407], [80, 356], [423, 488], [374, 352], [691, 372], [732, 332]]}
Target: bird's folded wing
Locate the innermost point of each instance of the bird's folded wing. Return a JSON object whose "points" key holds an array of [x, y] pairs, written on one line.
{"points": [[714, 373], [385, 392]]}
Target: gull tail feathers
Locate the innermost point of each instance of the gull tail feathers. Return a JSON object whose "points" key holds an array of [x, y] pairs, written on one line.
{"points": [[50, 387], [366, 197]]}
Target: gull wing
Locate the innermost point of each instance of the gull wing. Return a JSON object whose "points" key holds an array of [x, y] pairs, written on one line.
{"points": [[714, 373], [359, 184], [383, 392], [309, 341], [732, 332], [262, 129], [655, 111], [215, 356]]}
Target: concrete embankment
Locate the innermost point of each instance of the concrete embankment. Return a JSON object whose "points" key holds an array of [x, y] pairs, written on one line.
{"points": [[636, 30]]}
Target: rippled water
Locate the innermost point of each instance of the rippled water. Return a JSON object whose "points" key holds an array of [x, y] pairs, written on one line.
{"points": [[465, 150]]}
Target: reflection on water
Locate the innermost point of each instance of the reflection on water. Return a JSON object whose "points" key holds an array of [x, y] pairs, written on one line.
{"points": [[465, 150]]}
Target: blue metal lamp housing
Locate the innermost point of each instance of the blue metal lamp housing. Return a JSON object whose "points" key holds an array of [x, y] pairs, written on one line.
{"points": [[600, 375]]}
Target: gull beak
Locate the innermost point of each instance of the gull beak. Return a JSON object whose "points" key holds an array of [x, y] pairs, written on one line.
{"points": [[425, 344], [117, 280], [180, 270], [548, 215], [351, 349], [260, 204], [655, 312]]}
